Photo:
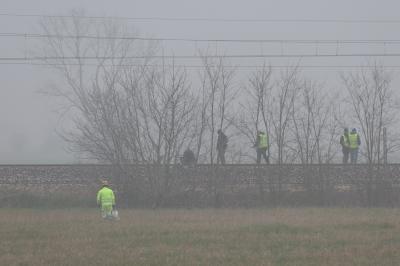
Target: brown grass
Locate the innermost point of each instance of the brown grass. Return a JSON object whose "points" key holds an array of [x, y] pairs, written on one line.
{"points": [[308, 236]]}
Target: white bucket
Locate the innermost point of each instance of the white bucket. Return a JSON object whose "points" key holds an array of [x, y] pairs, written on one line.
{"points": [[115, 215]]}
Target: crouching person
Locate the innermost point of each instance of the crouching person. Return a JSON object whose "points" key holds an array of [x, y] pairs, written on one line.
{"points": [[106, 200]]}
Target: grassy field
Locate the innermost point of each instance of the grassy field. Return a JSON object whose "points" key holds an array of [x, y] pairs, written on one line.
{"points": [[308, 236]]}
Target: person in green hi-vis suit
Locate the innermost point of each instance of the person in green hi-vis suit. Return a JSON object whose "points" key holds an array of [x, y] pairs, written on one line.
{"points": [[106, 200]]}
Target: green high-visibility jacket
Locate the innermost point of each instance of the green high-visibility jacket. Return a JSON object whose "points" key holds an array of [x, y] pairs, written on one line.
{"points": [[353, 140], [105, 197], [262, 141]]}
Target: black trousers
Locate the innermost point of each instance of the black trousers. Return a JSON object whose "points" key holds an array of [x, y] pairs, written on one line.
{"points": [[346, 153], [263, 152], [221, 156]]}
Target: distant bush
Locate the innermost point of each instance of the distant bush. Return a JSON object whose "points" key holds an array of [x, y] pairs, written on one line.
{"points": [[28, 199]]}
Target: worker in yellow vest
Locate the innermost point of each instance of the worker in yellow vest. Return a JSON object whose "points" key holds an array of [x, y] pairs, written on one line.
{"points": [[106, 200], [354, 144], [262, 145]]}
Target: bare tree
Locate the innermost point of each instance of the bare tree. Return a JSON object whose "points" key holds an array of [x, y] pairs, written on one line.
{"points": [[372, 104], [92, 62], [312, 126], [219, 94], [253, 114], [201, 121], [280, 108], [168, 113]]}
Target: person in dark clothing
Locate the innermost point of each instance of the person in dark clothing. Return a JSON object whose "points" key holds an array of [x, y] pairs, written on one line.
{"points": [[222, 144], [262, 147], [188, 157], [344, 141]]}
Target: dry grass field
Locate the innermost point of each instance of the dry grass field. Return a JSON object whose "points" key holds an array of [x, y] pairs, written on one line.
{"points": [[308, 236]]}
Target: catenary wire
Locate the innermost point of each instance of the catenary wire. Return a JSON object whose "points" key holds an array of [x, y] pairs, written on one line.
{"points": [[303, 41], [199, 19], [201, 66], [221, 56]]}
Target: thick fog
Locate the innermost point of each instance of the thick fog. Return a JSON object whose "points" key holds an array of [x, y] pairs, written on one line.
{"points": [[30, 119]]}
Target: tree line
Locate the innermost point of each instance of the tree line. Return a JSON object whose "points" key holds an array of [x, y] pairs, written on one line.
{"points": [[130, 107]]}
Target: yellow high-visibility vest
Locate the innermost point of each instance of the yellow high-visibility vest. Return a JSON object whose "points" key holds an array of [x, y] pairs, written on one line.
{"points": [[353, 140], [105, 197], [263, 140]]}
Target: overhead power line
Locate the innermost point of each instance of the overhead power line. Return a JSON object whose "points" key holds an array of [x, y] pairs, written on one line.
{"points": [[202, 66], [43, 58], [224, 20], [304, 41]]}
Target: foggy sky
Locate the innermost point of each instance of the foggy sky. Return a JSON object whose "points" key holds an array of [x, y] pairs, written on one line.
{"points": [[29, 120]]}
